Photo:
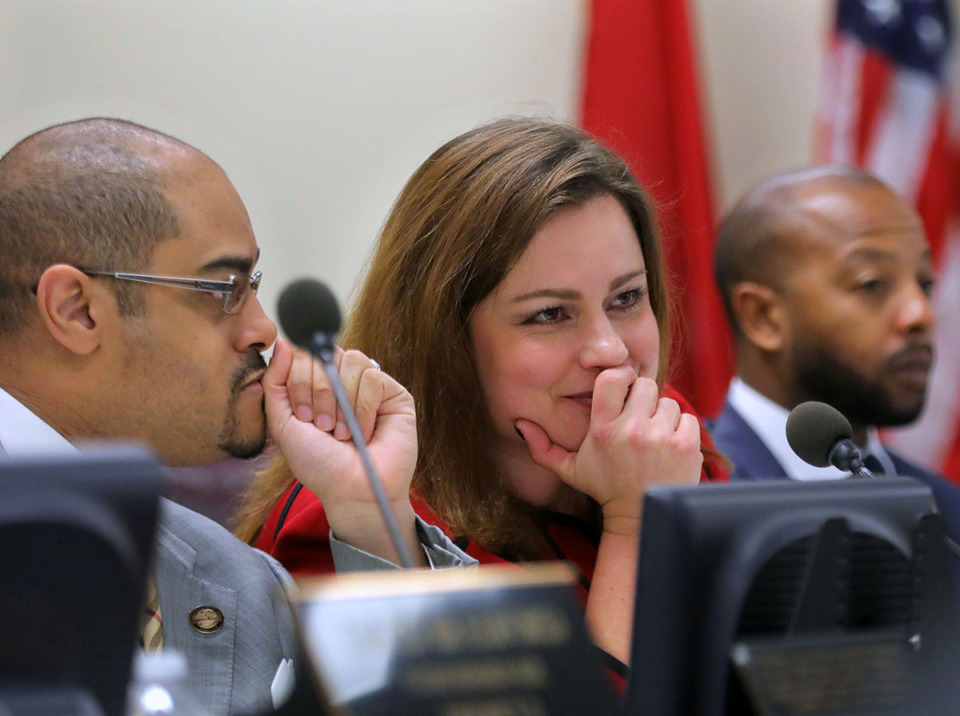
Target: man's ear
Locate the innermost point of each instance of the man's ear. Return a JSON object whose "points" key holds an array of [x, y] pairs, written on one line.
{"points": [[761, 315], [69, 304]]}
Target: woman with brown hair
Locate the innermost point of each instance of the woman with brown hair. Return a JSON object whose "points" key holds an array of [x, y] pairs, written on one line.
{"points": [[518, 291]]}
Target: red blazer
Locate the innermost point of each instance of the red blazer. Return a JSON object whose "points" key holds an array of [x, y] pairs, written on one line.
{"points": [[302, 543]]}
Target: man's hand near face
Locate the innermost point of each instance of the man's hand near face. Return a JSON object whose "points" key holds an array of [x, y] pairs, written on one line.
{"points": [[309, 428]]}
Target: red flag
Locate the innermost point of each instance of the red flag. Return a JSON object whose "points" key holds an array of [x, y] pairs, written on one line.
{"points": [[886, 106], [641, 98]]}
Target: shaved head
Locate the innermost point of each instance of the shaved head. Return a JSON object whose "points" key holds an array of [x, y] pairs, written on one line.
{"points": [[90, 193], [762, 235]]}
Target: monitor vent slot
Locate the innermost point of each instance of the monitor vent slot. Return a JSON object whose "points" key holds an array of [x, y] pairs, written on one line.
{"points": [[876, 584]]}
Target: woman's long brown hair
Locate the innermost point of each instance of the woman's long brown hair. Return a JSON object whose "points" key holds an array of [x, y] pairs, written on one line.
{"points": [[459, 225]]}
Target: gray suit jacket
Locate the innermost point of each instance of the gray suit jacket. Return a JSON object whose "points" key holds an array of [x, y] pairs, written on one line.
{"points": [[198, 563]]}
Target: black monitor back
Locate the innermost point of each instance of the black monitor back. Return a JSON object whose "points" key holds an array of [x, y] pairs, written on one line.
{"points": [[76, 536], [790, 597]]}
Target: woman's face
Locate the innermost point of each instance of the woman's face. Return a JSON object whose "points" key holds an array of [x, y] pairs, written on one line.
{"points": [[576, 303]]}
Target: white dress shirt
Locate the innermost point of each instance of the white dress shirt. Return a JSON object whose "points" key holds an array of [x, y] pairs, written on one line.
{"points": [[24, 434], [769, 421]]}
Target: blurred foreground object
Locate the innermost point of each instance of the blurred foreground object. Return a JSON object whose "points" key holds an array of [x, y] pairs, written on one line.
{"points": [[490, 640], [76, 535]]}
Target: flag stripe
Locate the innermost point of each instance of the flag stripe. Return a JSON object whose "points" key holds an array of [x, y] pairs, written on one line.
{"points": [[874, 81], [904, 126]]}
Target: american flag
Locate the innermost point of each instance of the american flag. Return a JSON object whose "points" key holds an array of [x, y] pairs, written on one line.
{"points": [[889, 105]]}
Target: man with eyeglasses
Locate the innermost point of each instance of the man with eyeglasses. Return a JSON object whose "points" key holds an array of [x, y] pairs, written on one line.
{"points": [[128, 311]]}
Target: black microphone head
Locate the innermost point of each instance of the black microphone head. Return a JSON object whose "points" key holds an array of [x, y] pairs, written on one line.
{"points": [[307, 308], [813, 428]]}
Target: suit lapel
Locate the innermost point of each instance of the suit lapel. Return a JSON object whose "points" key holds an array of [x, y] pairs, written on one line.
{"points": [[750, 456], [183, 587]]}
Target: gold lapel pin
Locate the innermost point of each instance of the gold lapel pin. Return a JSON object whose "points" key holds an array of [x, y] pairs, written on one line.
{"points": [[206, 619]]}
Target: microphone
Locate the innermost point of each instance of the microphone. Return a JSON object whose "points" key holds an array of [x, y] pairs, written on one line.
{"points": [[310, 317], [820, 435]]}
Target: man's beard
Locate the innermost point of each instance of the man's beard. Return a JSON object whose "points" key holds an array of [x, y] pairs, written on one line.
{"points": [[232, 440], [865, 402]]}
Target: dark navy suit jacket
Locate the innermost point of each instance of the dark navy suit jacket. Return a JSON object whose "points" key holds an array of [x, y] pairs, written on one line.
{"points": [[753, 461]]}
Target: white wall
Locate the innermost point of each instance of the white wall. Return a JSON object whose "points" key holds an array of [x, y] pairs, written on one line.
{"points": [[319, 110], [760, 70]]}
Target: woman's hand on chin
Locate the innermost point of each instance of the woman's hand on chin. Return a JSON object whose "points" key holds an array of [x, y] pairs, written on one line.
{"points": [[636, 439]]}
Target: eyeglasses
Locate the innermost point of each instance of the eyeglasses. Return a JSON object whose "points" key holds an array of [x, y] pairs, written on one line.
{"points": [[233, 292]]}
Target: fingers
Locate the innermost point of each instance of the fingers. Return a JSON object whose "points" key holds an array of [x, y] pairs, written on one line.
{"points": [[543, 451], [313, 399], [688, 429], [276, 401], [677, 431], [306, 394], [664, 421], [279, 368], [610, 390], [324, 399], [637, 402], [354, 366], [671, 420], [667, 413], [374, 389]]}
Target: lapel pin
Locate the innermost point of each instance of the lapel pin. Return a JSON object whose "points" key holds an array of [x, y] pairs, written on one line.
{"points": [[206, 619]]}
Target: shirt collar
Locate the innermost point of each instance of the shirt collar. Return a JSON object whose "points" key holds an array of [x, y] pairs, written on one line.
{"points": [[875, 448], [23, 433], [769, 421]]}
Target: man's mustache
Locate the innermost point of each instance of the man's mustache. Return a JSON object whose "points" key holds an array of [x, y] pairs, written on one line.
{"points": [[922, 353], [241, 375]]}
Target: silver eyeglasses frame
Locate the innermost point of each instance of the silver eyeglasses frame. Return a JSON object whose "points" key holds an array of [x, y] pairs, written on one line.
{"points": [[233, 292]]}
